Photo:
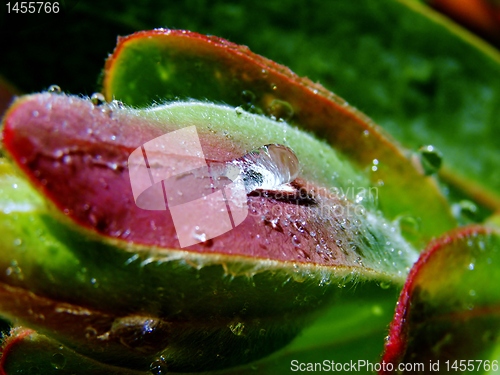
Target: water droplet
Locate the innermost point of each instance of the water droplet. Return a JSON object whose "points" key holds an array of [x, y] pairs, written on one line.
{"points": [[237, 328], [17, 242], [471, 266], [268, 167], [117, 104], [158, 367], [90, 332], [239, 111], [54, 89], [465, 209], [385, 285], [430, 159], [409, 225], [280, 110], [58, 361], [97, 98], [295, 240], [247, 96], [14, 270]]}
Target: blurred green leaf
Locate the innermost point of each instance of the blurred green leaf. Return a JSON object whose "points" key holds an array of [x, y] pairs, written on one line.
{"points": [[448, 309]]}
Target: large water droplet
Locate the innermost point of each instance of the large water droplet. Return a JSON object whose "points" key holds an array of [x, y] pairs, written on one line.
{"points": [[430, 159], [268, 167]]}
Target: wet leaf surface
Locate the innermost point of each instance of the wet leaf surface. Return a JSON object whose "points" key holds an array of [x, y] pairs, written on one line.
{"points": [[448, 309], [378, 56], [172, 64], [120, 280]]}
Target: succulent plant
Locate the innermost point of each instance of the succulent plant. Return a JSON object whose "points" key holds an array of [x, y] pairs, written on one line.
{"points": [[337, 214]]}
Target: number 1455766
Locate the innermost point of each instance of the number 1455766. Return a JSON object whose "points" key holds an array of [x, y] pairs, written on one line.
{"points": [[33, 7]]}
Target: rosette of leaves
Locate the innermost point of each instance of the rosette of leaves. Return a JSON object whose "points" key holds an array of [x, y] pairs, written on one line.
{"points": [[94, 284]]}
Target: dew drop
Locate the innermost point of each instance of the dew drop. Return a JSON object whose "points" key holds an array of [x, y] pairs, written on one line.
{"points": [[430, 159], [385, 285], [117, 104], [268, 167], [465, 209], [295, 240], [280, 110], [54, 89], [58, 361], [248, 96], [90, 332], [97, 98], [237, 328], [199, 235], [409, 225], [158, 367], [239, 111]]}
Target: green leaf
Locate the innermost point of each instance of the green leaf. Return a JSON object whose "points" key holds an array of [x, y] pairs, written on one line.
{"points": [[82, 276], [166, 64], [448, 309], [376, 55], [27, 352]]}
